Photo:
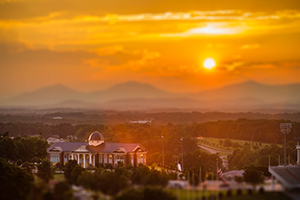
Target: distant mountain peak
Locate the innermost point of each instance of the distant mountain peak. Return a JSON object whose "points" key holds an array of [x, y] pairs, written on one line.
{"points": [[133, 85]]}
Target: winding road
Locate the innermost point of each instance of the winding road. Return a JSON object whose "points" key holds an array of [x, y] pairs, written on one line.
{"points": [[216, 150]]}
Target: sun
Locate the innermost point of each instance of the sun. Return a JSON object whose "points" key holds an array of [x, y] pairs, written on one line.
{"points": [[209, 63]]}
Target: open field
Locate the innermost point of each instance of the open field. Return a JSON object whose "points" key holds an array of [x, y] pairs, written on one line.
{"points": [[240, 142]]}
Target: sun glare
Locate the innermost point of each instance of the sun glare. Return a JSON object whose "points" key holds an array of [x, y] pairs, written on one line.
{"points": [[209, 63]]}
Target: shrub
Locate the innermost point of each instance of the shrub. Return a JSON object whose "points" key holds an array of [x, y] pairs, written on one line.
{"points": [[250, 192], [239, 192], [229, 193], [261, 190]]}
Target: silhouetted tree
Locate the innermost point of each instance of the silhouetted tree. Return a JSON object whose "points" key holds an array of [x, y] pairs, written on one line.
{"points": [[45, 170]]}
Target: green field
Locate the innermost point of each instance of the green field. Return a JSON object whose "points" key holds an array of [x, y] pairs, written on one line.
{"points": [[186, 194], [59, 177], [240, 142]]}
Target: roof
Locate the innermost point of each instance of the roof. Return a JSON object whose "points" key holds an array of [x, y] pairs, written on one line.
{"points": [[297, 139], [111, 147], [96, 136], [67, 146], [234, 173], [289, 176], [103, 148]]}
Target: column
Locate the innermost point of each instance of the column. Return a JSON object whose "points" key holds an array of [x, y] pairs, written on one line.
{"points": [[272, 183], [83, 160], [94, 158], [90, 158], [72, 156], [298, 153], [78, 158]]}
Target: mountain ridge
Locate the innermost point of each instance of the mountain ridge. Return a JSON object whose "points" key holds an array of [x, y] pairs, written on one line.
{"points": [[245, 95]]}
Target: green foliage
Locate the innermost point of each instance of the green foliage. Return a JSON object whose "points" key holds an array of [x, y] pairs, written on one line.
{"points": [[25, 149], [193, 174], [107, 182], [246, 156], [209, 160], [15, 182], [68, 170], [29, 167], [8, 148], [155, 178], [77, 171], [253, 175], [227, 143], [45, 170], [138, 173], [62, 191], [73, 171]]}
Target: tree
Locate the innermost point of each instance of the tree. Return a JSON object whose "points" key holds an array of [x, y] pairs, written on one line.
{"points": [[138, 173], [227, 143], [68, 170], [77, 171], [221, 142], [29, 167], [252, 175], [45, 170], [155, 178], [15, 182], [8, 148], [111, 183]]}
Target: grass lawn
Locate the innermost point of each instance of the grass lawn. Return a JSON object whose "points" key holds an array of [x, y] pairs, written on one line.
{"points": [[265, 196], [181, 194], [240, 142], [59, 177], [186, 194]]}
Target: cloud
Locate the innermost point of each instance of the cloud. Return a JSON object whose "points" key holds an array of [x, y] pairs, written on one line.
{"points": [[250, 46], [24, 9]]}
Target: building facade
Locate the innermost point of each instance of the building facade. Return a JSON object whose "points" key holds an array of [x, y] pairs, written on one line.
{"points": [[97, 152]]}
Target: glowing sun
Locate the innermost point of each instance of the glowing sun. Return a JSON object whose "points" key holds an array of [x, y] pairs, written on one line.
{"points": [[209, 63]]}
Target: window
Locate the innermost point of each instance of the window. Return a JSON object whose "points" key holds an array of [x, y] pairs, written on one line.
{"points": [[65, 158], [105, 158], [110, 159], [132, 159], [54, 157], [100, 158], [119, 158], [141, 158]]}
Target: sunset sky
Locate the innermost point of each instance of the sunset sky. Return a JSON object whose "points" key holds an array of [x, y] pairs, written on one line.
{"points": [[93, 44]]}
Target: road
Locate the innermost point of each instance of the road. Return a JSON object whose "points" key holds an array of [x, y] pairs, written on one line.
{"points": [[214, 151]]}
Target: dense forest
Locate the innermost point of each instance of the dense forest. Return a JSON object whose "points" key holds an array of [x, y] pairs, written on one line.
{"points": [[260, 130], [113, 117]]}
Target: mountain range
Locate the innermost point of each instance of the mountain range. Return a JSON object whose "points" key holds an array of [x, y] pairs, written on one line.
{"points": [[245, 96]]}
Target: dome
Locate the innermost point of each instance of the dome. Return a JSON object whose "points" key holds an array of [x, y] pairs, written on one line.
{"points": [[96, 136]]}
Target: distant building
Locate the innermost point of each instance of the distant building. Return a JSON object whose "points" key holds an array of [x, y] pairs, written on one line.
{"points": [[146, 121], [96, 151], [57, 117], [230, 175], [52, 140]]}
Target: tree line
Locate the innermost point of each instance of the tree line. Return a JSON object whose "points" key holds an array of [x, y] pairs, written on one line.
{"points": [[114, 117], [178, 139]]}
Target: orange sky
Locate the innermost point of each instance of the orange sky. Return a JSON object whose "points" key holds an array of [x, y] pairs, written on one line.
{"points": [[91, 45]]}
